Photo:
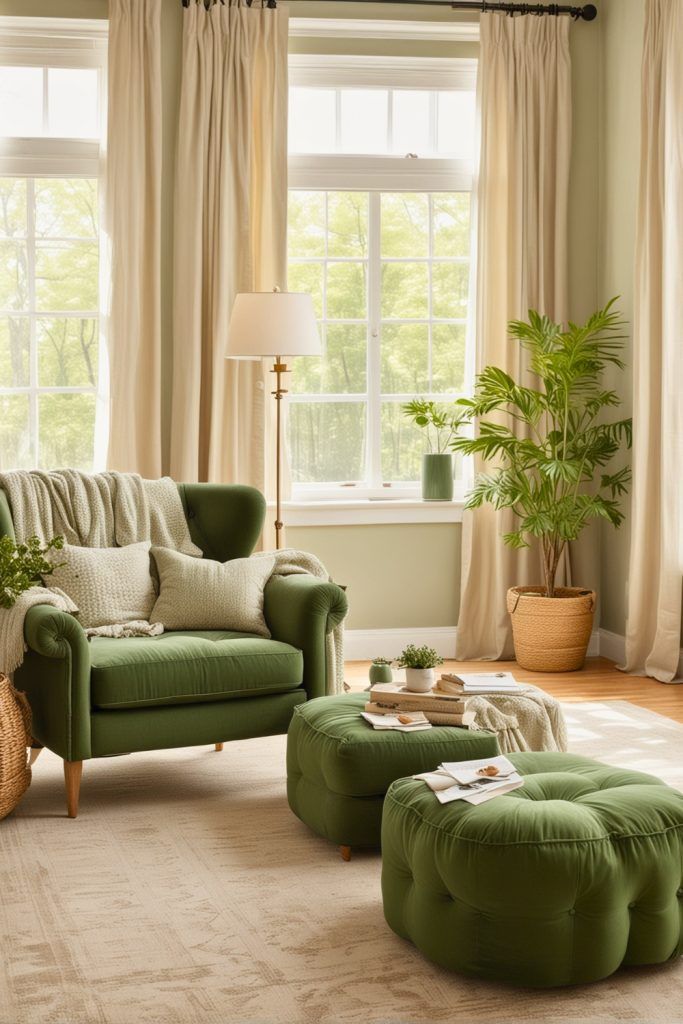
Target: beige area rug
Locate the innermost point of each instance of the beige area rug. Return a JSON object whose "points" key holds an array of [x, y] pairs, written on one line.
{"points": [[187, 893]]}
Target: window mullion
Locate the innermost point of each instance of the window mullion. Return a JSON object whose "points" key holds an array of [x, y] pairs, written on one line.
{"points": [[32, 320], [374, 342]]}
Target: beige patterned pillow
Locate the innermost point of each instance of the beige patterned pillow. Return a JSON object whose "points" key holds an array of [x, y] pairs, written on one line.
{"points": [[108, 585], [198, 593]]}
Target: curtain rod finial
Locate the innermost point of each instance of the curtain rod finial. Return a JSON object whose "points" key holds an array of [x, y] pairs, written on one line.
{"points": [[589, 13]]}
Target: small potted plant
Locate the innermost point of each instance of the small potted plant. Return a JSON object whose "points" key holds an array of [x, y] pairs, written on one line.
{"points": [[380, 671], [22, 566], [441, 425], [419, 663]]}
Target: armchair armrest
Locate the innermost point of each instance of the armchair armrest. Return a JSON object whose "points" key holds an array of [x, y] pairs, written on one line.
{"points": [[55, 676], [301, 610]]}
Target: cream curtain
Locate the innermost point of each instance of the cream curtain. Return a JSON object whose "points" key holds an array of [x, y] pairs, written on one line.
{"points": [[524, 99], [230, 232], [133, 223], [653, 633]]}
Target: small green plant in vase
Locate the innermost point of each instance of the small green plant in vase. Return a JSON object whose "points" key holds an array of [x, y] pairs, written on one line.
{"points": [[441, 424], [419, 663], [551, 450], [380, 670], [22, 566]]}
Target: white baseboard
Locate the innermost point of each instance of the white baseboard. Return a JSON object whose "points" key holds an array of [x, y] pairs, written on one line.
{"points": [[365, 644], [612, 646]]}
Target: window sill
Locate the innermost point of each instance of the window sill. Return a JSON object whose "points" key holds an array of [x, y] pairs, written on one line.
{"points": [[367, 512]]}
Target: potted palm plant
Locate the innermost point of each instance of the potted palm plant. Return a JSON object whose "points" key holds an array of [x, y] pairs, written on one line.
{"points": [[441, 424], [552, 449]]}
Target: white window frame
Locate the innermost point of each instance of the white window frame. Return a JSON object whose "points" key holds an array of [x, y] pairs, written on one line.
{"points": [[375, 174], [63, 43]]}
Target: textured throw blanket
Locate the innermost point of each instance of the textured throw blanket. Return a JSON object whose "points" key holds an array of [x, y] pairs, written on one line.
{"points": [[113, 510], [529, 721]]}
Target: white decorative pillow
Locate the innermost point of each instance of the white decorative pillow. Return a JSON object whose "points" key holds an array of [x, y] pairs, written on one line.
{"points": [[198, 593], [109, 585]]}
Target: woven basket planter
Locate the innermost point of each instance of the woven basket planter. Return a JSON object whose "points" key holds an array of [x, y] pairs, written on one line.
{"points": [[551, 634], [15, 725]]}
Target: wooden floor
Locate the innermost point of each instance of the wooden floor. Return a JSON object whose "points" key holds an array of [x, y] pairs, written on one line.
{"points": [[598, 680]]}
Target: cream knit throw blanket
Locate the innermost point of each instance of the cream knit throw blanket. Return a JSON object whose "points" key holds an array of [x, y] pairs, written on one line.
{"points": [[527, 721], [113, 510]]}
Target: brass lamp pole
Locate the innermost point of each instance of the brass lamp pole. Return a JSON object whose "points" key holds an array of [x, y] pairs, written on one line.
{"points": [[264, 324]]}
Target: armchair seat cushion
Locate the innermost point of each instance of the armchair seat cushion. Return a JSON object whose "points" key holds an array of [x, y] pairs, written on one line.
{"points": [[189, 668]]}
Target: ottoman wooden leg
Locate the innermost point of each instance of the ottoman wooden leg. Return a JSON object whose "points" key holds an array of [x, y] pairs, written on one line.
{"points": [[345, 852], [219, 747], [72, 778]]}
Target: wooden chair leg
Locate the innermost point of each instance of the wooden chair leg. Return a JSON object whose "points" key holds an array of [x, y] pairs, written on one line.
{"points": [[34, 755], [73, 771], [219, 747], [345, 852]]}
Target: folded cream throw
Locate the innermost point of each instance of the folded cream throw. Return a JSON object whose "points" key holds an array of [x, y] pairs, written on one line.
{"points": [[529, 721]]}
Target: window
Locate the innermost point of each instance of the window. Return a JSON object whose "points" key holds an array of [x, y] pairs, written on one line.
{"points": [[379, 234], [51, 90]]}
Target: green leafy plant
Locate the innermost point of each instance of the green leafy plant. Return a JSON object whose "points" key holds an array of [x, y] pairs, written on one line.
{"points": [[440, 422], [551, 469], [382, 661], [22, 566], [418, 657]]}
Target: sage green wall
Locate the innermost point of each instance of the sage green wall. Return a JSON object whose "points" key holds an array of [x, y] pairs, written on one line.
{"points": [[622, 24], [397, 575]]}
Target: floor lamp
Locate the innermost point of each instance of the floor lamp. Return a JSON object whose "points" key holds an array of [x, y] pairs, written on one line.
{"points": [[277, 325]]}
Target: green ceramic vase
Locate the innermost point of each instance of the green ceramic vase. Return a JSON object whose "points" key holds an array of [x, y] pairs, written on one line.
{"points": [[380, 673], [437, 477]]}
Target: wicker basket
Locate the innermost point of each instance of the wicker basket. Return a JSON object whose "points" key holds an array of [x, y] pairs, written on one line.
{"points": [[551, 634], [15, 730]]}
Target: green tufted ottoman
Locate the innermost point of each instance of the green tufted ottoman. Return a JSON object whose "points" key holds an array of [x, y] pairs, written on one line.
{"points": [[558, 883], [339, 768]]}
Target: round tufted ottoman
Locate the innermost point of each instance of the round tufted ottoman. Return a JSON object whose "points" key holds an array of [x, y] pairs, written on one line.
{"points": [[338, 768], [558, 883]]}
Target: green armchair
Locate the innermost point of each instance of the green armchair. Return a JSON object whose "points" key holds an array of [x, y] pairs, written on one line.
{"points": [[103, 697]]}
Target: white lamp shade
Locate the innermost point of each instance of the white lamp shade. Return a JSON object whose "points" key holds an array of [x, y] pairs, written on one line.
{"points": [[273, 324]]}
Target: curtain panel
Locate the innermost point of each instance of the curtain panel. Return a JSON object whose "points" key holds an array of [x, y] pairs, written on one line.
{"points": [[133, 224], [653, 631], [525, 107], [230, 232]]}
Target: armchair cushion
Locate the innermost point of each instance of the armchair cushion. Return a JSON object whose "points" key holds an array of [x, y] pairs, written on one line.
{"points": [[189, 668]]}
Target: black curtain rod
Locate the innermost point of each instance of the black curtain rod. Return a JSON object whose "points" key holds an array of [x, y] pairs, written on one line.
{"points": [[586, 13]]}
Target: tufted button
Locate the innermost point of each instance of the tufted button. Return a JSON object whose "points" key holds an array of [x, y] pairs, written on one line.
{"points": [[190, 513], [572, 911], [632, 906], [679, 893]]}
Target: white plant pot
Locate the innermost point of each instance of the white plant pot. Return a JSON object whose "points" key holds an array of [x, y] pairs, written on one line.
{"points": [[419, 680]]}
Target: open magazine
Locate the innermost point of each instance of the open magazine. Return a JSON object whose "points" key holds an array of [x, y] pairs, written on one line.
{"points": [[475, 782]]}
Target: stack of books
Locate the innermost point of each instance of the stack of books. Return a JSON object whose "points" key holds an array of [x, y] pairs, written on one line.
{"points": [[475, 782], [479, 683], [438, 708]]}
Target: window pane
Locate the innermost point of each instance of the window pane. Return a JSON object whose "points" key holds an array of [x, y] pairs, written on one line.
{"points": [[364, 114], [67, 352], [344, 364], [402, 445], [412, 122], [13, 275], [405, 289], [15, 438], [450, 284], [72, 102], [346, 291], [312, 121], [348, 224], [456, 120], [451, 224], [306, 224], [327, 442], [448, 358], [67, 431], [66, 276], [405, 225], [66, 208], [12, 208], [14, 351], [308, 277], [405, 359], [21, 101]]}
